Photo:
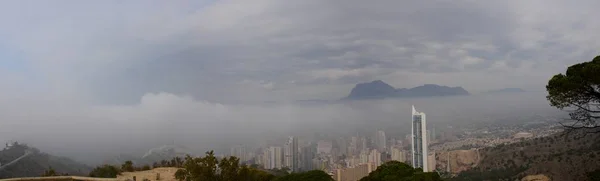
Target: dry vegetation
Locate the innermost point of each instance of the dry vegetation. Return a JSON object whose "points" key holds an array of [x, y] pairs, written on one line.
{"points": [[561, 157]]}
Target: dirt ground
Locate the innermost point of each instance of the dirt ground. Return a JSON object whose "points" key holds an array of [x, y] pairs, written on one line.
{"points": [[166, 174]]}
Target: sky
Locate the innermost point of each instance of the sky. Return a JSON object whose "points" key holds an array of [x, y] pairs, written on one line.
{"points": [[69, 63]]}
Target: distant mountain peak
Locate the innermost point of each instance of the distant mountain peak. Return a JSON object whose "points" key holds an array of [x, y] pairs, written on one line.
{"points": [[379, 89]]}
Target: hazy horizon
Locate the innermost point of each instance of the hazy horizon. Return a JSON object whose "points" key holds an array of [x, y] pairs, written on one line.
{"points": [[92, 79]]}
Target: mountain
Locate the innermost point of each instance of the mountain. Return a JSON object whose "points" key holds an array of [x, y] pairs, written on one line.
{"points": [[506, 90], [563, 156], [19, 160], [379, 89], [158, 154], [165, 152]]}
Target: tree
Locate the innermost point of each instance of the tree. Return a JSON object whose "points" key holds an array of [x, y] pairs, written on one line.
{"points": [[314, 175], [127, 166], [105, 171], [50, 172], [209, 168], [398, 171], [579, 89]]}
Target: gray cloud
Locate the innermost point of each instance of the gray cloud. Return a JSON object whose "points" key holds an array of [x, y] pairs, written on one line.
{"points": [[118, 53]]}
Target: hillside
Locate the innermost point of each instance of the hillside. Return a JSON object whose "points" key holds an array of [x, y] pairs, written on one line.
{"points": [[560, 157], [19, 160], [379, 89]]}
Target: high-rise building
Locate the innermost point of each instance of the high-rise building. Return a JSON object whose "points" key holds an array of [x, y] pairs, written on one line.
{"points": [[275, 158], [364, 157], [433, 138], [292, 155], [239, 151], [353, 173], [380, 140], [287, 155], [375, 157], [431, 162], [307, 155], [342, 146], [324, 147], [353, 147], [398, 154], [419, 144], [266, 159], [428, 136], [363, 144]]}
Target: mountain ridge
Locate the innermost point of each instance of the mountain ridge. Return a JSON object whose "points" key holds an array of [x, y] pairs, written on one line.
{"points": [[378, 89], [24, 161]]}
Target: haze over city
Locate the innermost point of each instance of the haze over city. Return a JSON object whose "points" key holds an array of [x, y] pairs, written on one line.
{"points": [[91, 80]]}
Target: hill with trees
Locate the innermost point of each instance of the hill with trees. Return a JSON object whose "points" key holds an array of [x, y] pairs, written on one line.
{"points": [[398, 171], [564, 156], [20, 160]]}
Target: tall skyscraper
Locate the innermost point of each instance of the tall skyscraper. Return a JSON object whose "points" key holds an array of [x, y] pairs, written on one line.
{"points": [[419, 140], [353, 147], [307, 155], [287, 155], [266, 158], [380, 140], [363, 144], [292, 155], [342, 145]]}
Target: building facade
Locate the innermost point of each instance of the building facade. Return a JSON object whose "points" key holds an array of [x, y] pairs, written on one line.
{"points": [[293, 155], [419, 142], [275, 158], [353, 173], [398, 154], [380, 140]]}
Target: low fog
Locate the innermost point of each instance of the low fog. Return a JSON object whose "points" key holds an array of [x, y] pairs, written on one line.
{"points": [[90, 80], [92, 134]]}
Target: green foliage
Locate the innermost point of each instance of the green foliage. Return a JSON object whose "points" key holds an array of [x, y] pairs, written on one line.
{"points": [[50, 172], [578, 88], [209, 168], [398, 171], [595, 175], [280, 172], [495, 174], [127, 166], [314, 175], [105, 171]]}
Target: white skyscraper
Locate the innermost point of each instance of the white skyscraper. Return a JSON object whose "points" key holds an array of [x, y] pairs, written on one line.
{"points": [[419, 140]]}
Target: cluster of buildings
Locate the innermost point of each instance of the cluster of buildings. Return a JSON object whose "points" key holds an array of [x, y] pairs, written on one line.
{"points": [[346, 158]]}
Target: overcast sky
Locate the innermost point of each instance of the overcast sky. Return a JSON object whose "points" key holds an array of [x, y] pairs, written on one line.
{"points": [[85, 61]]}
